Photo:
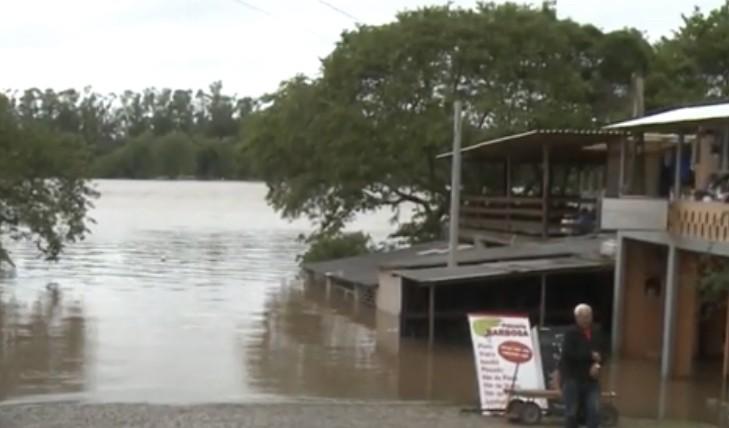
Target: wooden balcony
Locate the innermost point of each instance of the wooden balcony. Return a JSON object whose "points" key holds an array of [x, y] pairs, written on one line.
{"points": [[706, 221], [525, 215]]}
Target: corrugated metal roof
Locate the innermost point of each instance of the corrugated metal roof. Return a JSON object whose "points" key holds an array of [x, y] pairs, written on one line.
{"points": [[681, 117], [363, 270], [502, 269], [561, 247], [557, 137]]}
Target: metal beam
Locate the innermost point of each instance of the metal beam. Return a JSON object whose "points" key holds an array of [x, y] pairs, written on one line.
{"points": [[669, 312], [455, 186], [618, 293], [621, 173]]}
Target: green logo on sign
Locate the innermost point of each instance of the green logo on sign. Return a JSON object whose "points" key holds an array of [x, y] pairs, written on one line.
{"points": [[482, 327]]}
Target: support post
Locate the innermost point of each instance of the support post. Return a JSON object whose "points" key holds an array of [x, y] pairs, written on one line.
{"points": [[618, 293], [455, 186], [543, 301], [669, 313], [639, 166], [431, 316], [725, 150], [508, 192], [545, 190], [725, 378], [677, 169], [621, 173]]}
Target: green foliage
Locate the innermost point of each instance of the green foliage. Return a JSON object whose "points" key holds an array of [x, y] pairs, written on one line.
{"points": [[44, 194], [173, 155], [324, 247], [714, 284], [365, 134], [148, 134], [693, 64]]}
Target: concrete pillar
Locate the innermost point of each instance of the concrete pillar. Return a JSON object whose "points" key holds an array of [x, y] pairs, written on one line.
{"points": [[618, 292], [356, 294], [328, 285], [669, 313]]}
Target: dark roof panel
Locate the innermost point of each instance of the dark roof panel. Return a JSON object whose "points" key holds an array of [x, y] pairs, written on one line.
{"points": [[494, 270]]}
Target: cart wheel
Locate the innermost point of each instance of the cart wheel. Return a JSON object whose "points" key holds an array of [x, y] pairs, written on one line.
{"points": [[513, 410], [608, 415], [531, 414]]}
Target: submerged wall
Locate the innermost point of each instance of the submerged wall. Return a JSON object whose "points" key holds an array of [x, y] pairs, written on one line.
{"points": [[643, 310], [389, 293], [643, 299]]}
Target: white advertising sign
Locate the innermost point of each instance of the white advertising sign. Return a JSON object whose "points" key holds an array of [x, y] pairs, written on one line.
{"points": [[506, 358]]}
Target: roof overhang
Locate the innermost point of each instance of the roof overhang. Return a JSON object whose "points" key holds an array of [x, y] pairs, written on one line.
{"points": [[678, 120], [500, 270], [579, 144]]}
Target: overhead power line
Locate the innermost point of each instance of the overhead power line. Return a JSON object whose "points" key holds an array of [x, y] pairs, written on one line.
{"points": [[340, 11], [253, 7], [258, 9]]}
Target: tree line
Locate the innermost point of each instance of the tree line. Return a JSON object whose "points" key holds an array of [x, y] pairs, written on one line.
{"points": [[154, 133]]}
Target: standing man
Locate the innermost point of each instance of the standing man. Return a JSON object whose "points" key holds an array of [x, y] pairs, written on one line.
{"points": [[580, 371]]}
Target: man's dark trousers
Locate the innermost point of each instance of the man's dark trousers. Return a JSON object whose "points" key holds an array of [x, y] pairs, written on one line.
{"points": [[583, 396]]}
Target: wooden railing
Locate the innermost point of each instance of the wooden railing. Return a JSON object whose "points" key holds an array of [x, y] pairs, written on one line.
{"points": [[707, 221], [523, 215]]}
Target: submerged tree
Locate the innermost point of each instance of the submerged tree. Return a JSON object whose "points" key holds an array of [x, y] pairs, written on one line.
{"points": [[44, 194]]}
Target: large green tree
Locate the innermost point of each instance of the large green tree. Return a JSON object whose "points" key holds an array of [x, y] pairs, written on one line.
{"points": [[44, 194], [366, 134], [693, 63]]}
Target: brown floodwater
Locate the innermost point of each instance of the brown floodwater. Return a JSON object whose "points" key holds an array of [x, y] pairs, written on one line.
{"points": [[186, 292]]}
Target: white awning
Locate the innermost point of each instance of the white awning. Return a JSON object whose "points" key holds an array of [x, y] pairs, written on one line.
{"points": [[679, 117]]}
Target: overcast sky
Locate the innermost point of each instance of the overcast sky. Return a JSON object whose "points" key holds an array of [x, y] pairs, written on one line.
{"points": [[131, 44]]}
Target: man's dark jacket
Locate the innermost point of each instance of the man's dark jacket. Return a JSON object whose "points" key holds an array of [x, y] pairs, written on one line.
{"points": [[577, 352]]}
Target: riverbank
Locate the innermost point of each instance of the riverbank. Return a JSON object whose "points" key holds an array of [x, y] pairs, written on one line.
{"points": [[315, 415]]}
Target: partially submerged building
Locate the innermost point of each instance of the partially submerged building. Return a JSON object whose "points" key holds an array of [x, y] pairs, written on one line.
{"points": [[667, 239], [529, 224]]}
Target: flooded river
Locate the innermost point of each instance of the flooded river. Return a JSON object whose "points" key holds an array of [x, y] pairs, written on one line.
{"points": [[184, 294]]}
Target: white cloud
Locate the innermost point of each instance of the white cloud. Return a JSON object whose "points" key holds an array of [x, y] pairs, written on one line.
{"points": [[114, 45]]}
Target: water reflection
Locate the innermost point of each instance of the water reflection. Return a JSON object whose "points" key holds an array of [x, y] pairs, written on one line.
{"points": [[304, 347], [641, 393], [318, 345], [42, 345]]}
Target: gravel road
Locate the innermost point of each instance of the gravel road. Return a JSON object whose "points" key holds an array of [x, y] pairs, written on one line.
{"points": [[73, 415]]}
